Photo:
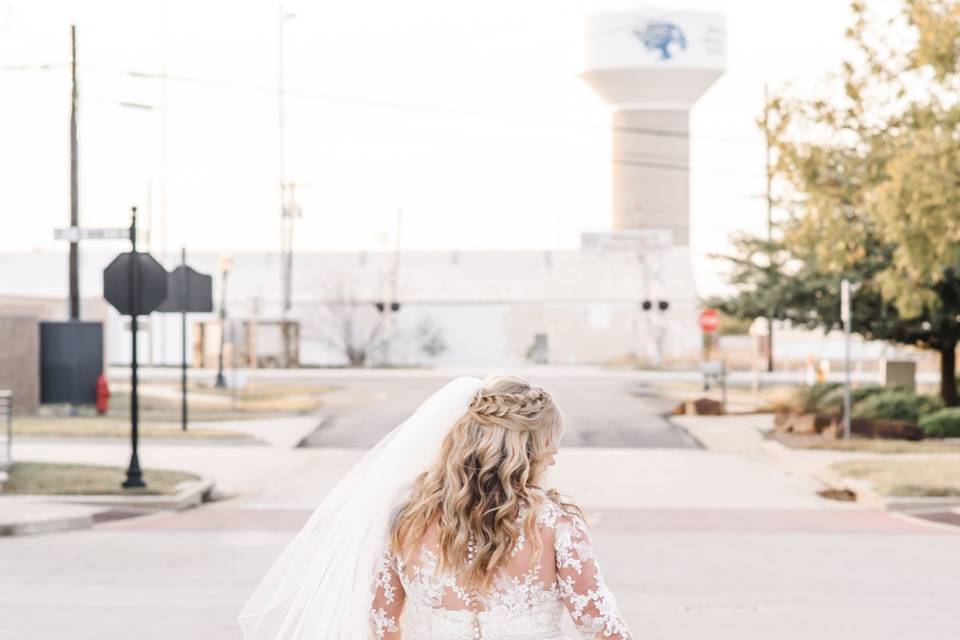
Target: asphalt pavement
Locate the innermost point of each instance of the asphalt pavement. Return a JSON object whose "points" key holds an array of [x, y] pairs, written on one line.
{"points": [[600, 410]]}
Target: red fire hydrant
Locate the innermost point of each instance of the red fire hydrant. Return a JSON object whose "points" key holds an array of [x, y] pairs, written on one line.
{"points": [[103, 394]]}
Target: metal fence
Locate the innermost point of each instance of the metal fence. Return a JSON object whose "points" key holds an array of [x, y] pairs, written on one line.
{"points": [[6, 428]]}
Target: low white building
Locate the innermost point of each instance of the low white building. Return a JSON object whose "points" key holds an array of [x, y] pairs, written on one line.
{"points": [[575, 306]]}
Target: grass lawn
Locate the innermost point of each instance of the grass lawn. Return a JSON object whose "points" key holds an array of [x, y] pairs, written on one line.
{"points": [[75, 479], [160, 411], [210, 403], [870, 445], [906, 478], [110, 427]]}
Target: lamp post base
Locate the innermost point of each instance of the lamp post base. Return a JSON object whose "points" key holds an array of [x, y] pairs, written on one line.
{"points": [[134, 475]]}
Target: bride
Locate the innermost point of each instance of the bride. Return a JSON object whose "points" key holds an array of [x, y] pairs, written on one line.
{"points": [[443, 532]]}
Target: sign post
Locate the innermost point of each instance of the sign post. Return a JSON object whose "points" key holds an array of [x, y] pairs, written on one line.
{"points": [[134, 283], [709, 323], [845, 318], [184, 282], [187, 291], [134, 472]]}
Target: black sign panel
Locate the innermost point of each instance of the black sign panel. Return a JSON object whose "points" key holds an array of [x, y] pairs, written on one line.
{"points": [[188, 290], [71, 360], [151, 283]]}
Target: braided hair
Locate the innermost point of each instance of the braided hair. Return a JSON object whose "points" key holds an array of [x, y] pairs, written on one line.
{"points": [[512, 410], [487, 472]]}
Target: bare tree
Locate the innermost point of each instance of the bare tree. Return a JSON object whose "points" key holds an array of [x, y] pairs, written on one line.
{"points": [[347, 324]]}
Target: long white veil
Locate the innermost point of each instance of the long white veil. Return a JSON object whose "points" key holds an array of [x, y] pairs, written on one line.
{"points": [[321, 585]]}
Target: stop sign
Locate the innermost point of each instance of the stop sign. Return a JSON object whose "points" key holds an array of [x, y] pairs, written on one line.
{"points": [[709, 320], [151, 283]]}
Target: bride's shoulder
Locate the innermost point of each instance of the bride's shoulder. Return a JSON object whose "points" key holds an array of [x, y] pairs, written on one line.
{"points": [[552, 508]]}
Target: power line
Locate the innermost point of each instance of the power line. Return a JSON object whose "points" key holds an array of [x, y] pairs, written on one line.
{"points": [[623, 161], [407, 106], [42, 66]]}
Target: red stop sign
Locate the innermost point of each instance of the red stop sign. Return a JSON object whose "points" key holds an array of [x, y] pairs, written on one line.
{"points": [[709, 320]]}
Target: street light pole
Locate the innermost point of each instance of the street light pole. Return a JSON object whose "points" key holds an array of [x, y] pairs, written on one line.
{"points": [[74, 258], [134, 472]]}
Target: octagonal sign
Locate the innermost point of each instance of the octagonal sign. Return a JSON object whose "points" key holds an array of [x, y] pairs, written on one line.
{"points": [[151, 281]]}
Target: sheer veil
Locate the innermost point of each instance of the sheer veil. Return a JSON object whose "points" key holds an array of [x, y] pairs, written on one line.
{"points": [[320, 585]]}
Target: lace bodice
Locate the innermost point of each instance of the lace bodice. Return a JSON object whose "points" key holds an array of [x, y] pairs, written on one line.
{"points": [[412, 601]]}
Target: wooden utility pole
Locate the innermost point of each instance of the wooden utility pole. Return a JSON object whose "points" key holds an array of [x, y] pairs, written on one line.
{"points": [[769, 199], [74, 276]]}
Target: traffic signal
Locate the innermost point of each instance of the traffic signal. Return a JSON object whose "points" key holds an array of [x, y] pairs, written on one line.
{"points": [[647, 305]]}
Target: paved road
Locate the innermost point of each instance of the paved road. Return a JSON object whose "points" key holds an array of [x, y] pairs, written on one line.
{"points": [[601, 410]]}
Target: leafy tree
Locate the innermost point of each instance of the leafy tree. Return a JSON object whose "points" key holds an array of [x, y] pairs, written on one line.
{"points": [[868, 181]]}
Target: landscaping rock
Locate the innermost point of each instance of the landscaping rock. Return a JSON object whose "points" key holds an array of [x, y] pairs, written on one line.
{"points": [[867, 428], [801, 423], [703, 407]]}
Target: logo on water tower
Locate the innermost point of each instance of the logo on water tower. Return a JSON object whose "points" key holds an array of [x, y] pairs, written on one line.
{"points": [[665, 37]]}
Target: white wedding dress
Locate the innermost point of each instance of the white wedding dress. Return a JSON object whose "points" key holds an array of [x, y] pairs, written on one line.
{"points": [[526, 601]]}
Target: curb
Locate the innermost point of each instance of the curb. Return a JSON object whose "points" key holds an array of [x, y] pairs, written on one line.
{"points": [[32, 518], [867, 494], [48, 513], [190, 494]]}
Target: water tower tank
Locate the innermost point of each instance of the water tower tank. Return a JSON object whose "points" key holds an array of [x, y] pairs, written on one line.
{"points": [[651, 66]]}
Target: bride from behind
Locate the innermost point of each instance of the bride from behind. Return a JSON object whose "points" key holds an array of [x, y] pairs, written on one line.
{"points": [[480, 550], [443, 531]]}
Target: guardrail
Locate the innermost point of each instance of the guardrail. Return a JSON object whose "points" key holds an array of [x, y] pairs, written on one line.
{"points": [[6, 428]]}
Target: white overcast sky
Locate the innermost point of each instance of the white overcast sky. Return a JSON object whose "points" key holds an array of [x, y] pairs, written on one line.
{"points": [[463, 179]]}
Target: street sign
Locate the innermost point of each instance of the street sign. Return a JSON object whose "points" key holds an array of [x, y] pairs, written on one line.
{"points": [[709, 320], [75, 234], [151, 283], [188, 291], [627, 239]]}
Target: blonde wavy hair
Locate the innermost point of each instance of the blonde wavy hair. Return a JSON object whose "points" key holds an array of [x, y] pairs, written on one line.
{"points": [[488, 467]]}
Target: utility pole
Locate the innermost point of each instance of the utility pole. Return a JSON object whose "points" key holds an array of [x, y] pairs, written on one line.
{"points": [[288, 196], [74, 260], [769, 199], [282, 161], [163, 165]]}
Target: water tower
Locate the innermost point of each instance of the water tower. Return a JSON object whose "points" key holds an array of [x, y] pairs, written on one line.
{"points": [[651, 66]]}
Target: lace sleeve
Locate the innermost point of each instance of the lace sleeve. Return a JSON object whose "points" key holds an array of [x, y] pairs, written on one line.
{"points": [[588, 599], [388, 598]]}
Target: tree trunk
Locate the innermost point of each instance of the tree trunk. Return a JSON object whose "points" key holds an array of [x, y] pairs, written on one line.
{"points": [[948, 376]]}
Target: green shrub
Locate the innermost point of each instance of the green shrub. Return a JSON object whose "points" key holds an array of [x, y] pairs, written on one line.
{"points": [[896, 404], [832, 402], [806, 399], [944, 423]]}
